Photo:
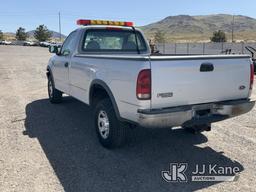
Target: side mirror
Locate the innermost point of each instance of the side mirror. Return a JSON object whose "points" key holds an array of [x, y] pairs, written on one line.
{"points": [[53, 49]]}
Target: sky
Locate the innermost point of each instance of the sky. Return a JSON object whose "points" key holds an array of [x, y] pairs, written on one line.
{"points": [[31, 13]]}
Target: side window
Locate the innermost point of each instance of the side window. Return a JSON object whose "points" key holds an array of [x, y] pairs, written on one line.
{"points": [[69, 44]]}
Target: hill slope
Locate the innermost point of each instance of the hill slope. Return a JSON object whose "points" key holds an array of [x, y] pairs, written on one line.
{"points": [[55, 35], [196, 28]]}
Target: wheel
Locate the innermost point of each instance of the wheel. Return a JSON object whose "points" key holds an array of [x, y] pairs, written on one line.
{"points": [[55, 96], [110, 131]]}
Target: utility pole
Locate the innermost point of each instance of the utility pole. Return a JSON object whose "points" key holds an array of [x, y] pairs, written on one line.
{"points": [[233, 22], [60, 26]]}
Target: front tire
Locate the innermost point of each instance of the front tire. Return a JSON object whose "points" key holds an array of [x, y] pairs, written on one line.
{"points": [[111, 132], [55, 96]]}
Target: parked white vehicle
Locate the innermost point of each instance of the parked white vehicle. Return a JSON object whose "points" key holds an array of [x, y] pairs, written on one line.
{"points": [[44, 44], [29, 43], [4, 42], [108, 65]]}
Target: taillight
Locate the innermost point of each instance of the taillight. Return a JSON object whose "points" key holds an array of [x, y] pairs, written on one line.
{"points": [[143, 89], [252, 76]]}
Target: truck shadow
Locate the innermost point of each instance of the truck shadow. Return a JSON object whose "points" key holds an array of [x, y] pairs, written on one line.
{"points": [[66, 134]]}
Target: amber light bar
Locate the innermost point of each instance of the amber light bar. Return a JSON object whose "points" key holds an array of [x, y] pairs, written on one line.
{"points": [[104, 22]]}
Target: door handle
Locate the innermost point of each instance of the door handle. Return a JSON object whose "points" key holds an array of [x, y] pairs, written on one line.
{"points": [[66, 64], [206, 67]]}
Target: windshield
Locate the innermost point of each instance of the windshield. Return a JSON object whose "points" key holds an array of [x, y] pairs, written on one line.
{"points": [[113, 40]]}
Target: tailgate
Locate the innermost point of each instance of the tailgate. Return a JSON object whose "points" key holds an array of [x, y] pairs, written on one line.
{"points": [[189, 80]]}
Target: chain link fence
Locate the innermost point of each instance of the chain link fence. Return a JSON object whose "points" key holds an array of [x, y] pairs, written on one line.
{"points": [[204, 48]]}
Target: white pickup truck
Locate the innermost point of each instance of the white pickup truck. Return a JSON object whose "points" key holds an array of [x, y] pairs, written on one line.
{"points": [[108, 65]]}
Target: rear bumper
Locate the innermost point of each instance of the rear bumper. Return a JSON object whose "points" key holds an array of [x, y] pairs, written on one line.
{"points": [[193, 114]]}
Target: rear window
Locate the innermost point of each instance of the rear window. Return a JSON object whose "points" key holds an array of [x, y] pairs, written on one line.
{"points": [[112, 40]]}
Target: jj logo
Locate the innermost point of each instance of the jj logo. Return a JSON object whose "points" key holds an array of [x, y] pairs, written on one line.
{"points": [[176, 173]]}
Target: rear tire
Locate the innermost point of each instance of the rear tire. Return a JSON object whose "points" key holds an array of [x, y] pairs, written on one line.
{"points": [[55, 96], [111, 132]]}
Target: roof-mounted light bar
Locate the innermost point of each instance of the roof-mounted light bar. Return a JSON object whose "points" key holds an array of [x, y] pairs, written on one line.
{"points": [[103, 22]]}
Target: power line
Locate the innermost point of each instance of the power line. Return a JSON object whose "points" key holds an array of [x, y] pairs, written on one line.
{"points": [[233, 22]]}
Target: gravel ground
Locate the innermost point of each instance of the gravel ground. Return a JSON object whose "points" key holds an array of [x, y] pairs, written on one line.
{"points": [[47, 147]]}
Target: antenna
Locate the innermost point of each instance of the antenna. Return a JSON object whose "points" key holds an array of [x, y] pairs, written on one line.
{"points": [[60, 26]]}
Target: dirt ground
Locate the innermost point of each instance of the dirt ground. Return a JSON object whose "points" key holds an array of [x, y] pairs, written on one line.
{"points": [[46, 147]]}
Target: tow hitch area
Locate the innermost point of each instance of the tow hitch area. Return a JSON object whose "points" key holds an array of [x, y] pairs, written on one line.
{"points": [[198, 128], [202, 119], [201, 113]]}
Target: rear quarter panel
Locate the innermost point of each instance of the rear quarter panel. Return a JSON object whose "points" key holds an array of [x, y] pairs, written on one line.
{"points": [[120, 75]]}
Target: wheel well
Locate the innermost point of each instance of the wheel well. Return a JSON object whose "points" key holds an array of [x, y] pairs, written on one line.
{"points": [[48, 73], [97, 93]]}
